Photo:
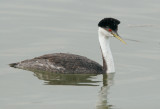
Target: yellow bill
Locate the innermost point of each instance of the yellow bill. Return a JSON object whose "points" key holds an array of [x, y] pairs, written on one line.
{"points": [[118, 37]]}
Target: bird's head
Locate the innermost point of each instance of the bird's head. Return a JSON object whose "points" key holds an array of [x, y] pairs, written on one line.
{"points": [[109, 27]]}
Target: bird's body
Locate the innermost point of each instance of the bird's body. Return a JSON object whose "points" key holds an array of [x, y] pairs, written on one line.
{"points": [[70, 63], [61, 63]]}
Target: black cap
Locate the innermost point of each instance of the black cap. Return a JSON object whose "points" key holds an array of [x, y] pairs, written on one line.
{"points": [[109, 23]]}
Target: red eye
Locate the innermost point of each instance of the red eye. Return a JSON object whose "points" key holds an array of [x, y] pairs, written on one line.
{"points": [[109, 30]]}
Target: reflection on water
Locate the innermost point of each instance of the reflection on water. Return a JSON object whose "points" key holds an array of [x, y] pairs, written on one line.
{"points": [[81, 80], [67, 79], [107, 83]]}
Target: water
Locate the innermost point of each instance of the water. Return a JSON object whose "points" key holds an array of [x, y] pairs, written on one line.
{"points": [[31, 28]]}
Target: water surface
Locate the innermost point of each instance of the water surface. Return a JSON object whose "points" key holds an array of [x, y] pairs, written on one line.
{"points": [[31, 28]]}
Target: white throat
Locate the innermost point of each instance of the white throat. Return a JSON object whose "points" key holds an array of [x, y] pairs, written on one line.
{"points": [[108, 63]]}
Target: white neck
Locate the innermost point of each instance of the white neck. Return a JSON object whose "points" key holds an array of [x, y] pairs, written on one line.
{"points": [[108, 64]]}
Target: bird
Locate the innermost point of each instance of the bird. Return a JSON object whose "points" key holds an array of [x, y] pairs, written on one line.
{"points": [[66, 63]]}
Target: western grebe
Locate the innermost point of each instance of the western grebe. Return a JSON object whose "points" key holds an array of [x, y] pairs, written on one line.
{"points": [[70, 63]]}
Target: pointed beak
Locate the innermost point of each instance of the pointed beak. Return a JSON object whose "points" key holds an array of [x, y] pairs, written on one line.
{"points": [[115, 34]]}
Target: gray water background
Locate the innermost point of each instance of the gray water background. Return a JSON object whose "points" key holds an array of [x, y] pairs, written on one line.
{"points": [[30, 28]]}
